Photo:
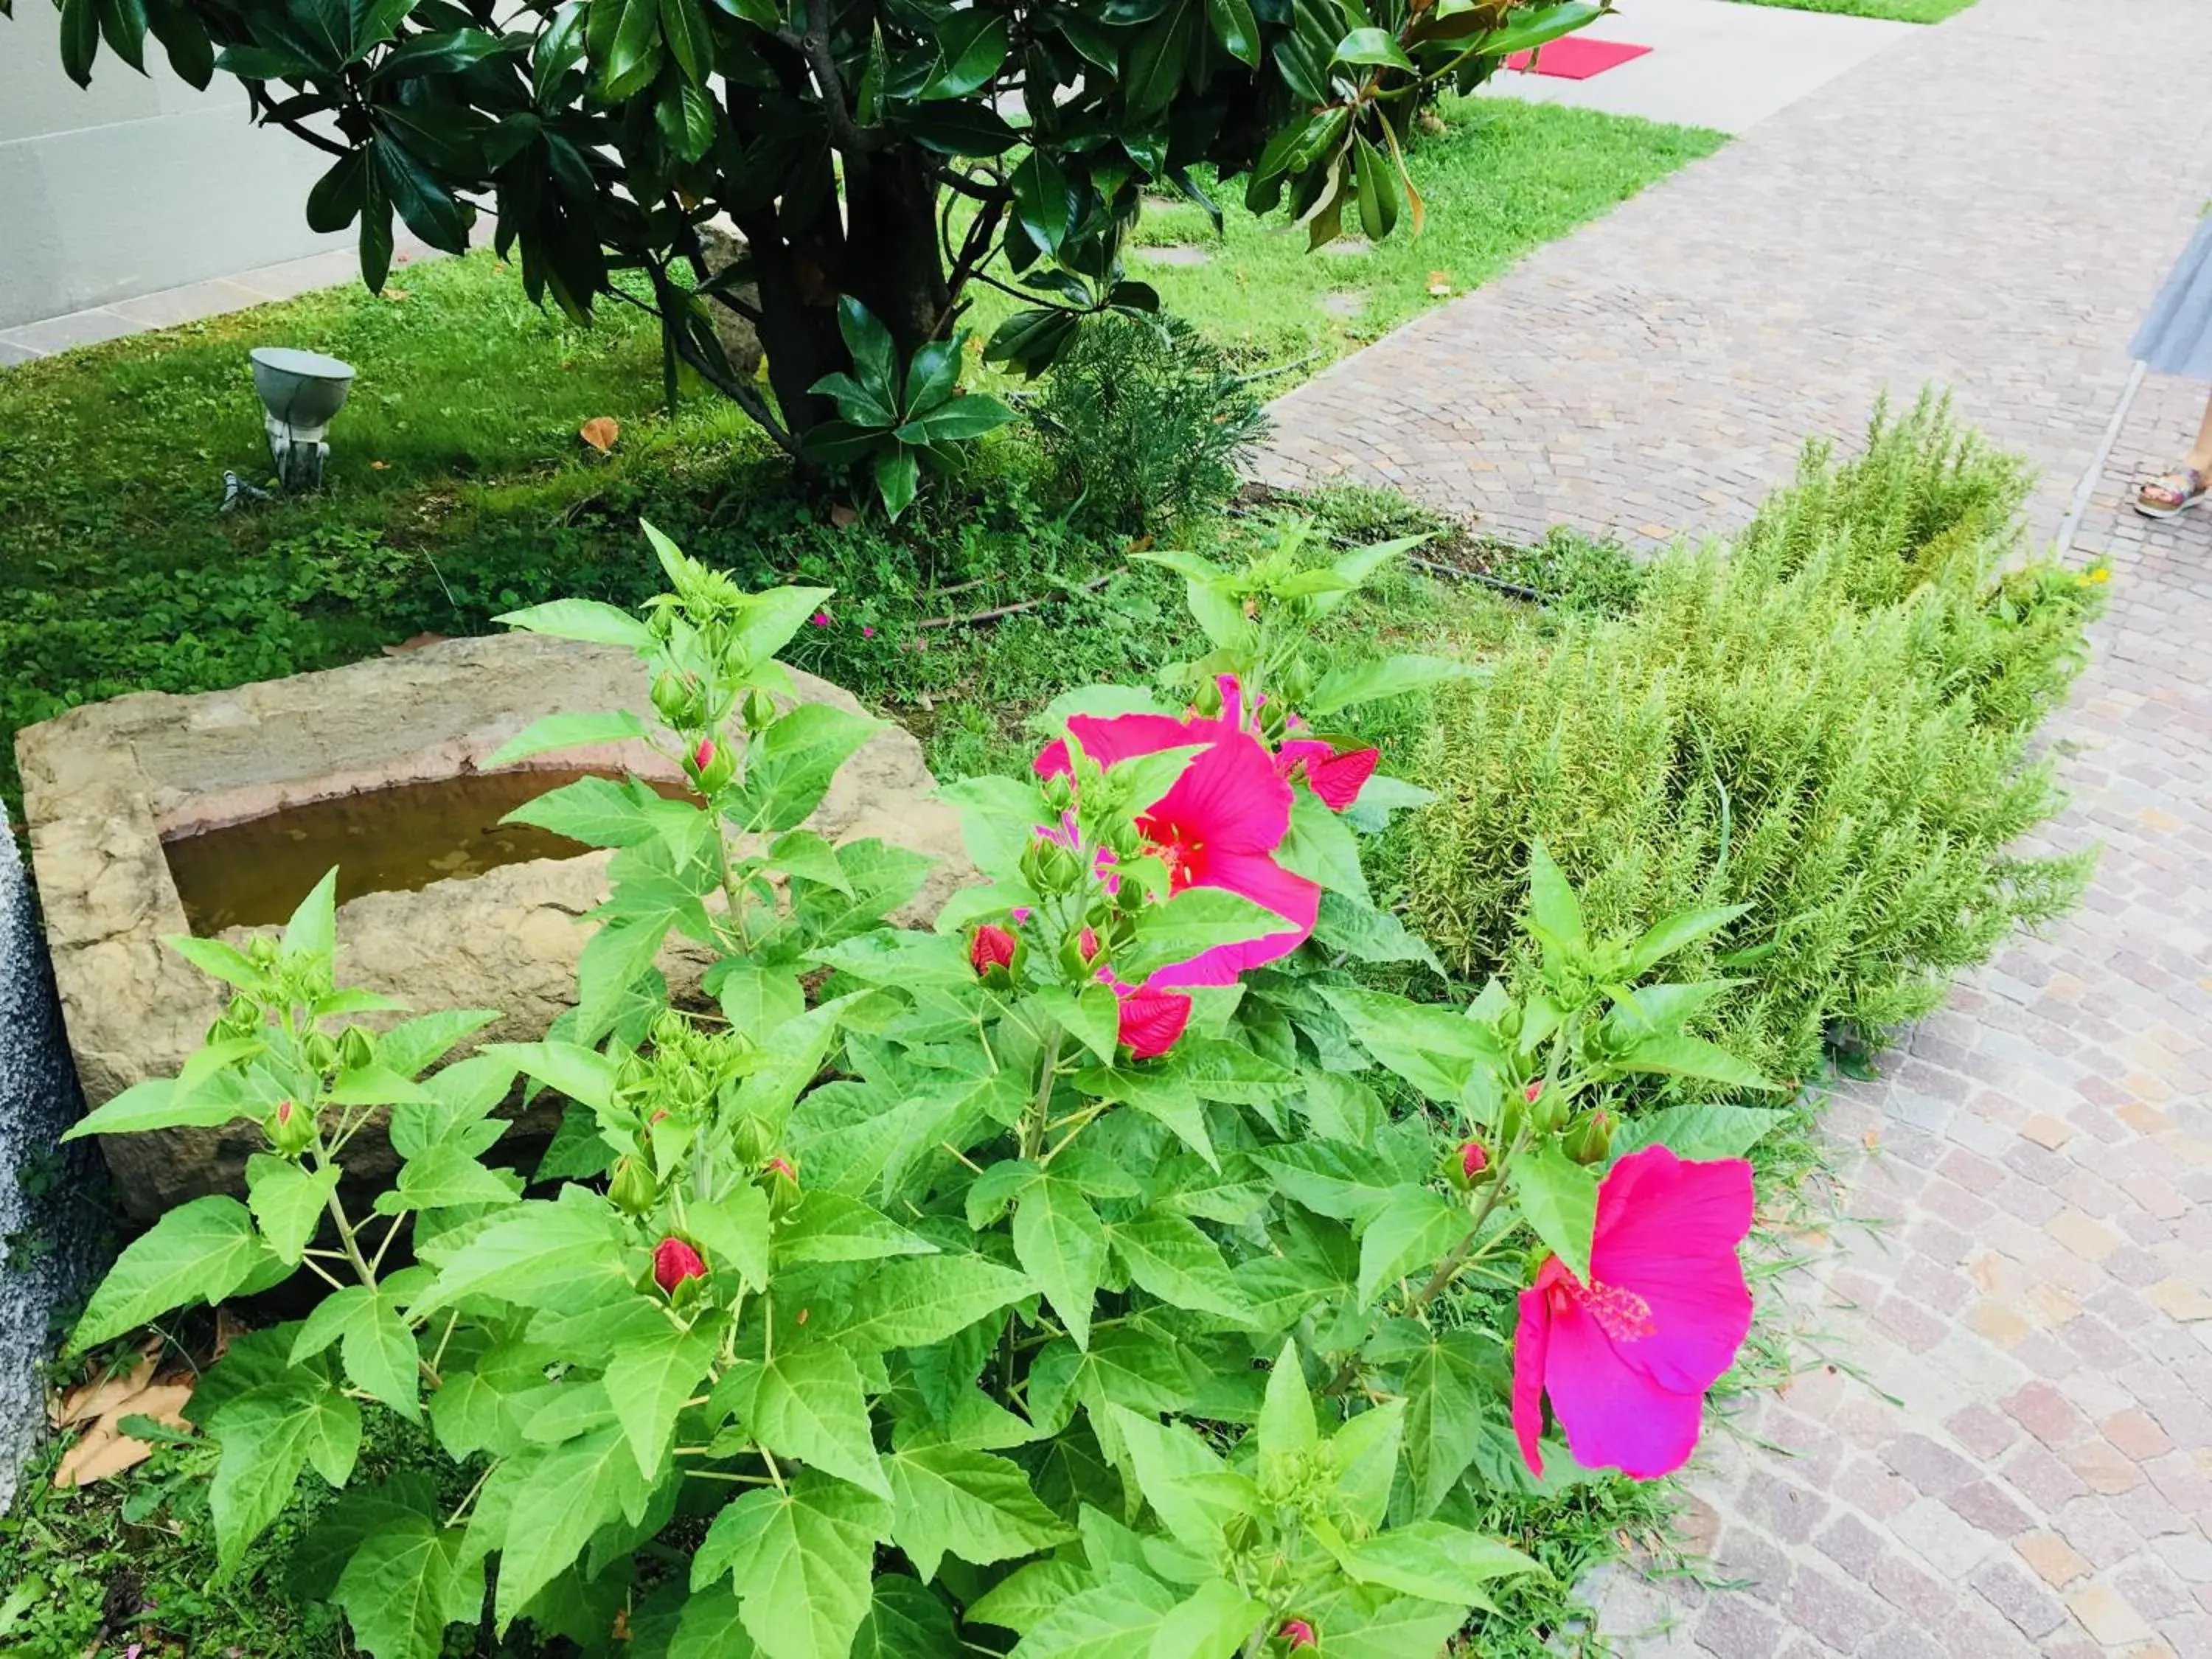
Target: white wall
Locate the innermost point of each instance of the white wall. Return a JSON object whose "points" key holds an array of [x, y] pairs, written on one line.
{"points": [[136, 185]]}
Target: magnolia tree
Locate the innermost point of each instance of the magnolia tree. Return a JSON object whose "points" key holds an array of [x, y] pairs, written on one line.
{"points": [[890, 151], [1108, 1271]]}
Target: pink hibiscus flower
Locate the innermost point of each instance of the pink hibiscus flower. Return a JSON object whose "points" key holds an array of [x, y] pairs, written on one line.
{"points": [[1335, 778], [1217, 825], [1151, 1021], [1627, 1358]]}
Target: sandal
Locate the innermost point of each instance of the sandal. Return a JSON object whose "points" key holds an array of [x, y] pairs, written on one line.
{"points": [[2174, 494]]}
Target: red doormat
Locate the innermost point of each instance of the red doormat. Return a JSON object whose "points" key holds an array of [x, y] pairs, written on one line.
{"points": [[1573, 58]]}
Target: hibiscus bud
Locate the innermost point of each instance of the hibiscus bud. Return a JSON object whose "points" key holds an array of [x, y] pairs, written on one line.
{"points": [[1297, 1633], [1466, 1165], [1509, 1021], [322, 1054], [677, 699], [781, 1177], [263, 951], [1077, 951], [674, 1262], [290, 1128], [760, 709], [991, 946], [1033, 864], [1130, 896], [1589, 1141], [356, 1049], [1059, 792], [1297, 680], [1205, 702], [749, 1138], [710, 765], [1241, 1533], [632, 1188]]}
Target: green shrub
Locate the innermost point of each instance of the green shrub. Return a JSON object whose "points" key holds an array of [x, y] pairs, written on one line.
{"points": [[1828, 722], [1143, 421]]}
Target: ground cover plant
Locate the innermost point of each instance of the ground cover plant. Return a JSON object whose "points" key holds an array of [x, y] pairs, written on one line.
{"points": [[1108, 1265], [1828, 720], [1902, 11], [457, 488]]}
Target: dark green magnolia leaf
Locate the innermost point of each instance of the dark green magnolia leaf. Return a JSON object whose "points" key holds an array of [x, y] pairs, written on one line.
{"points": [[1558, 1197], [958, 420], [448, 52], [1157, 55], [1374, 47], [954, 127], [1043, 200], [1237, 29], [201, 1251], [183, 37], [971, 46], [683, 27], [632, 52], [801, 1560], [425, 205], [898, 477]]}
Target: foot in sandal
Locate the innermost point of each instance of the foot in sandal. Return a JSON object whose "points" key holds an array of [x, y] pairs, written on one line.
{"points": [[2177, 492]]}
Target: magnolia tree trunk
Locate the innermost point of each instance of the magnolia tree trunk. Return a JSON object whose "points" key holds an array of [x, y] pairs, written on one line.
{"points": [[884, 253]]}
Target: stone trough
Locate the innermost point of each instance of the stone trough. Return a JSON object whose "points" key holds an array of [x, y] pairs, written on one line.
{"points": [[117, 795]]}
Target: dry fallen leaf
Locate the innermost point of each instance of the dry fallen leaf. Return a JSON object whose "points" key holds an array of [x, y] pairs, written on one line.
{"points": [[843, 516], [415, 642], [1440, 284], [600, 432], [380, 467], [104, 1450]]}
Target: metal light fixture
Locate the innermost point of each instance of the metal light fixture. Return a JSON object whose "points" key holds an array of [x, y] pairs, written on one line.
{"points": [[302, 390]]}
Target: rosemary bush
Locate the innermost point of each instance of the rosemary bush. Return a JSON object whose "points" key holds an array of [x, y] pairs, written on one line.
{"points": [[1828, 722]]}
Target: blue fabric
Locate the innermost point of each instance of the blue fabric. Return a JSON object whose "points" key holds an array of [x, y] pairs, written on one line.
{"points": [[2176, 337]]}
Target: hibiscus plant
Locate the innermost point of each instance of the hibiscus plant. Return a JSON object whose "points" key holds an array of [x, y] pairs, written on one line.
{"points": [[1111, 1269]]}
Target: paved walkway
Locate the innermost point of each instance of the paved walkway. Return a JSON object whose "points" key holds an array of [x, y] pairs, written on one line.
{"points": [[195, 301], [1714, 63], [1989, 204]]}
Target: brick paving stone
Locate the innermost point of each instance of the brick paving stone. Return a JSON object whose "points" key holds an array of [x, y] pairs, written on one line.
{"points": [[2039, 1152]]}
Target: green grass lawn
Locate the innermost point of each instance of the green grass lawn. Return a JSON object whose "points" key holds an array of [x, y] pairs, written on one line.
{"points": [[1901, 11], [1506, 177], [458, 487]]}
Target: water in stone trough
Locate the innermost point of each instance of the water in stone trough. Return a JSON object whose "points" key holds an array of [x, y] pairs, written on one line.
{"points": [[394, 840]]}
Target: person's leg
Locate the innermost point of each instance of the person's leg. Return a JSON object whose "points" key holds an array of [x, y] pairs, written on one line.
{"points": [[2186, 486], [2200, 458]]}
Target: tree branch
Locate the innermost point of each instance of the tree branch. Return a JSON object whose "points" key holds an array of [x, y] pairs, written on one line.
{"points": [[829, 85], [257, 95], [747, 398]]}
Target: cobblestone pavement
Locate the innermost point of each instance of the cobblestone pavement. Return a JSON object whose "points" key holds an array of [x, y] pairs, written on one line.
{"points": [[2012, 1452]]}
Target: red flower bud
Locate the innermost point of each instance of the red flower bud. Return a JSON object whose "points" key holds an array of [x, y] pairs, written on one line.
{"points": [[782, 1166], [703, 756], [991, 946], [1298, 1634], [1473, 1159], [674, 1262], [1534, 1088]]}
